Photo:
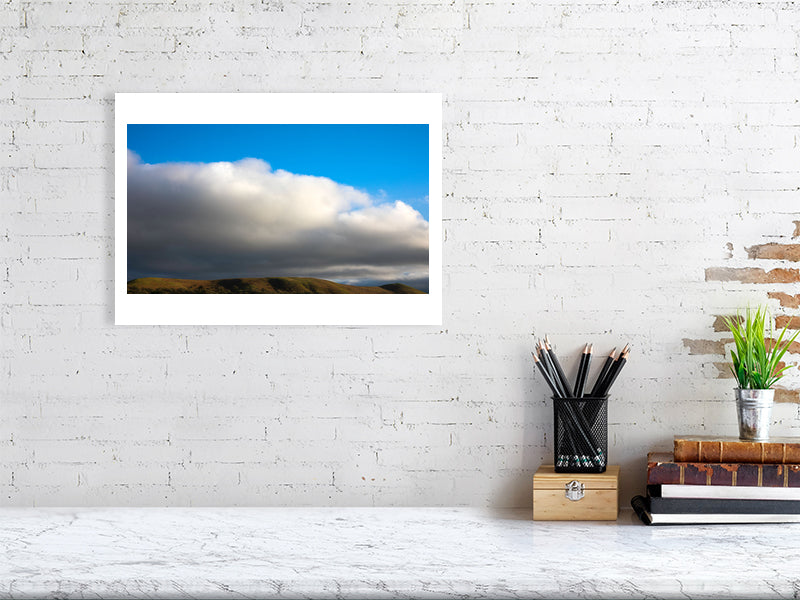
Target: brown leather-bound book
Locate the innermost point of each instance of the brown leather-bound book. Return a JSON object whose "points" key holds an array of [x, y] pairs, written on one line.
{"points": [[663, 469], [695, 448]]}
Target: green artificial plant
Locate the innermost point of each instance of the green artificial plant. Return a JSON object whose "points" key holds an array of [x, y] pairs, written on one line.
{"points": [[755, 361]]}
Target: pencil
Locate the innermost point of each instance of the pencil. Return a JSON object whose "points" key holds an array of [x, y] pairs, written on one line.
{"points": [[614, 373], [547, 359], [577, 444], [559, 370], [602, 375], [545, 374], [583, 370], [568, 443], [582, 431], [577, 452]]}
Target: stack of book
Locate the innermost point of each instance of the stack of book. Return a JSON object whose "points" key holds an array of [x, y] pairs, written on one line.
{"points": [[722, 480]]}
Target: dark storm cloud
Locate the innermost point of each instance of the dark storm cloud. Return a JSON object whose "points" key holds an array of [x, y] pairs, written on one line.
{"points": [[217, 220]]}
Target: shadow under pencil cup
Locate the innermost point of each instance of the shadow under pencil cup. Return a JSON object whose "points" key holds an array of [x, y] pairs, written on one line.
{"points": [[580, 434]]}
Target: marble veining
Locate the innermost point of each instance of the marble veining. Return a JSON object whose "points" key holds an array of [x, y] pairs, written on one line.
{"points": [[383, 553]]}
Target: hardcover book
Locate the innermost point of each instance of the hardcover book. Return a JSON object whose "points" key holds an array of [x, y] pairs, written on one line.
{"points": [[740, 492], [640, 505], [690, 448], [662, 468], [721, 506]]}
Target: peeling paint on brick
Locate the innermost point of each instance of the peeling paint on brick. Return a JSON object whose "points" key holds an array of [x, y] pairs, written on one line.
{"points": [[794, 347], [752, 275], [705, 346], [775, 252], [749, 275], [783, 395], [788, 321], [719, 322], [723, 370], [786, 300]]}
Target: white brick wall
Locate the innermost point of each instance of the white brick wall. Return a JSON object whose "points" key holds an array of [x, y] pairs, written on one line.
{"points": [[598, 157]]}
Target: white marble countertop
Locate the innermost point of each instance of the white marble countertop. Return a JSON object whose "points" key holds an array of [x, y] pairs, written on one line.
{"points": [[383, 553]]}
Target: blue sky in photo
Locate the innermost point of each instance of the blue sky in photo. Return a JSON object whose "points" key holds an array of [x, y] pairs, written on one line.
{"points": [[390, 162], [260, 214]]}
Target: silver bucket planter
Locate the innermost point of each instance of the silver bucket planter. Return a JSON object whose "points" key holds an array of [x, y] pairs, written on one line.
{"points": [[754, 408]]}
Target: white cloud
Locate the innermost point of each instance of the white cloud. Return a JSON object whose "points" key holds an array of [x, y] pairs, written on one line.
{"points": [[242, 219]]}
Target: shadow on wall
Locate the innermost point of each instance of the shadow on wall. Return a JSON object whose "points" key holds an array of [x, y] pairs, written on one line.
{"points": [[108, 179]]}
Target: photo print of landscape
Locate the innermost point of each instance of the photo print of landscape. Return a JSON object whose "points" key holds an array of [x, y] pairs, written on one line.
{"points": [[277, 209]]}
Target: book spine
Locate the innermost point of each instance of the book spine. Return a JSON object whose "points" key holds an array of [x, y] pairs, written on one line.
{"points": [[730, 474], [718, 451]]}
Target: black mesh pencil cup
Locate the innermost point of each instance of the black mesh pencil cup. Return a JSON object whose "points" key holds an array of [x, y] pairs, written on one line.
{"points": [[581, 434]]}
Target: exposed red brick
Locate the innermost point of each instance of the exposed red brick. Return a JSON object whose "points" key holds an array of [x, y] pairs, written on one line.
{"points": [[775, 252], [705, 346], [723, 370], [753, 275], [794, 347], [788, 321], [781, 321], [786, 300], [784, 395], [719, 322]]}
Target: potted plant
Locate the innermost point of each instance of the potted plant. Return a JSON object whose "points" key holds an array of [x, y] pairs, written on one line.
{"points": [[755, 366]]}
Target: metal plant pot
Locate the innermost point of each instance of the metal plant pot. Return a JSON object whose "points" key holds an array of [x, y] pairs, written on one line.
{"points": [[754, 408]]}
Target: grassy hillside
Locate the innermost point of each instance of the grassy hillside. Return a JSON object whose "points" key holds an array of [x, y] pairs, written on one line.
{"points": [[259, 285]]}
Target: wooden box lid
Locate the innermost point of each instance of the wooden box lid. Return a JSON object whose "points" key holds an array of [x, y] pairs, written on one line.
{"points": [[547, 479]]}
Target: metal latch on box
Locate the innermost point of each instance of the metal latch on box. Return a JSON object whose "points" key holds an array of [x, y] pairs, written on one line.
{"points": [[573, 490]]}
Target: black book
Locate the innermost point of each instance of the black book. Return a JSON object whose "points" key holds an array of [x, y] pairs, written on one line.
{"points": [[710, 506], [641, 506]]}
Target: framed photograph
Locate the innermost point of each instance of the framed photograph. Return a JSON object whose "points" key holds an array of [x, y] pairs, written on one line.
{"points": [[278, 209]]}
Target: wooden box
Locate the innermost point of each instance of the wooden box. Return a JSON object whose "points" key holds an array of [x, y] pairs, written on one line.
{"points": [[575, 496]]}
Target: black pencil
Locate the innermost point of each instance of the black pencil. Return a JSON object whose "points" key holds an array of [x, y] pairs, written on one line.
{"points": [[602, 375], [545, 374], [540, 355], [564, 460], [547, 360], [607, 379], [583, 370], [614, 373], [559, 370], [582, 431], [575, 439], [577, 453], [570, 438], [547, 363], [579, 374]]}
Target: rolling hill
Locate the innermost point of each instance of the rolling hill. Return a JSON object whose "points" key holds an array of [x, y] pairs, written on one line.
{"points": [[259, 285]]}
